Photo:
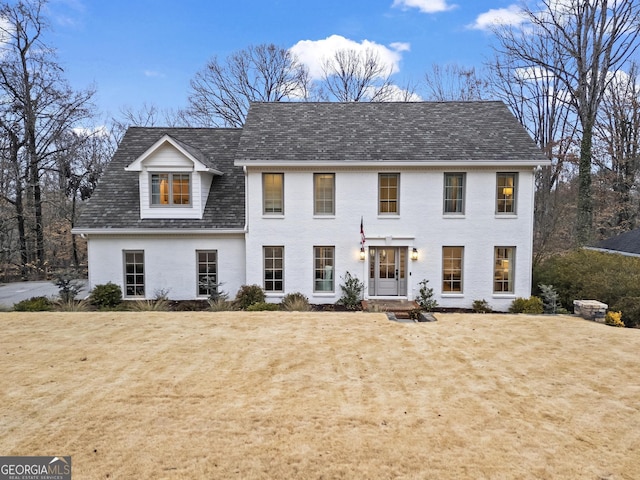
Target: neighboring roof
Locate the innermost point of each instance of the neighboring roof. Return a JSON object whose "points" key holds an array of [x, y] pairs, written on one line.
{"points": [[463, 133], [115, 203], [627, 243]]}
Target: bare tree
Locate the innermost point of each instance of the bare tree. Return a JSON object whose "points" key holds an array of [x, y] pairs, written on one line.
{"points": [[618, 135], [354, 76], [454, 82], [37, 107], [221, 92], [589, 38]]}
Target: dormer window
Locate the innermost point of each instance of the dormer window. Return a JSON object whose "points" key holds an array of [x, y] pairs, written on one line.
{"points": [[169, 189]]}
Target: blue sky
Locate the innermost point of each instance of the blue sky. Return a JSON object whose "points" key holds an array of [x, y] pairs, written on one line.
{"points": [[146, 51]]}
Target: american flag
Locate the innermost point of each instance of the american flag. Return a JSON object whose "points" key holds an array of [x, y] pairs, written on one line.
{"points": [[361, 233]]}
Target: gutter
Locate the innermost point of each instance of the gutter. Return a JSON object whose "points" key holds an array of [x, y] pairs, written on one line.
{"points": [[157, 231]]}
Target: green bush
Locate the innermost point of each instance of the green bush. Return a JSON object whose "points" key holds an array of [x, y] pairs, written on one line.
{"points": [[34, 304], [108, 295], [481, 306], [532, 305], [248, 295], [262, 306], [590, 275], [351, 292], [425, 297], [630, 308], [295, 302]]}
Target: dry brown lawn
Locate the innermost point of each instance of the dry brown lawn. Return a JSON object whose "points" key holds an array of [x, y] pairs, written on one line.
{"points": [[321, 395]]}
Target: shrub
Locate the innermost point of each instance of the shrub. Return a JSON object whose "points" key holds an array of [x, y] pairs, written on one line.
{"points": [[34, 304], [295, 302], [630, 308], [108, 295], [425, 297], [614, 319], [248, 295], [157, 305], [587, 274], [69, 286], [351, 292], [481, 306], [72, 305], [550, 298], [531, 305], [262, 306], [221, 304]]}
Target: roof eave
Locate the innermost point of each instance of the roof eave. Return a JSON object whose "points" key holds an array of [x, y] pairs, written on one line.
{"points": [[157, 231], [347, 163]]}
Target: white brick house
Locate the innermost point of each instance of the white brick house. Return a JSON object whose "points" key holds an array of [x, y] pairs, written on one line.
{"points": [[444, 192]]}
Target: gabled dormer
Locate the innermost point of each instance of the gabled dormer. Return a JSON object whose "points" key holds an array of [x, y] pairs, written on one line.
{"points": [[174, 180]]}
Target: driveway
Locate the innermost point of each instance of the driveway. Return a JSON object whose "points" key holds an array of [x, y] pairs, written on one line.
{"points": [[11, 293]]}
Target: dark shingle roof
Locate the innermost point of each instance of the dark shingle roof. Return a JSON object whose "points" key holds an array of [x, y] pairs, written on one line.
{"points": [[625, 243], [115, 202], [438, 132]]}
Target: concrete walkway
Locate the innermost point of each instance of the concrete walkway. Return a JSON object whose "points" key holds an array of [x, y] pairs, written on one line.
{"points": [[11, 293]]}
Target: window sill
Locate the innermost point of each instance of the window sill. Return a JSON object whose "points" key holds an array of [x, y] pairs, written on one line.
{"points": [[506, 216], [504, 295], [452, 295], [272, 216], [324, 217], [457, 216]]}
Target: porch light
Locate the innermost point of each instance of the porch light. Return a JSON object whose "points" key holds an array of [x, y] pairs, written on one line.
{"points": [[362, 254], [414, 254]]}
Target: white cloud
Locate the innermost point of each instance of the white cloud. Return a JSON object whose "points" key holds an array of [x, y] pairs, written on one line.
{"points": [[313, 53], [153, 74], [512, 15], [425, 6]]}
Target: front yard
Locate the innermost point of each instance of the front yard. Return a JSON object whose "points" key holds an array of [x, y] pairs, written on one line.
{"points": [[321, 395]]}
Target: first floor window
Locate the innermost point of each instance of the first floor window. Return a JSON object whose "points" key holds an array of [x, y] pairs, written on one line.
{"points": [[273, 269], [134, 273], [273, 193], [388, 191], [207, 272], [504, 266], [170, 189], [452, 269], [323, 269]]}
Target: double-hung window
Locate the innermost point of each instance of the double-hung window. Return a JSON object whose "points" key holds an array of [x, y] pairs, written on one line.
{"points": [[504, 269], [170, 189], [207, 272], [324, 189], [452, 258], [323, 268], [388, 193], [454, 193], [134, 273], [273, 193], [273, 269], [506, 193]]}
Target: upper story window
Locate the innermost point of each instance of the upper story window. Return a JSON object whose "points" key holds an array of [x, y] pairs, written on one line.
{"points": [[170, 189], [324, 193], [454, 193], [273, 193], [388, 193], [507, 187]]}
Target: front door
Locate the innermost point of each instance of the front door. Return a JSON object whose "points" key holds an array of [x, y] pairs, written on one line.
{"points": [[387, 271]]}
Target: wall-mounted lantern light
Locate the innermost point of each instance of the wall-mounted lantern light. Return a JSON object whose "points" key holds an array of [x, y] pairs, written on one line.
{"points": [[362, 254], [414, 254]]}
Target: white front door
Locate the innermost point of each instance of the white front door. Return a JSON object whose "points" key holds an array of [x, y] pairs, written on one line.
{"points": [[387, 271]]}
